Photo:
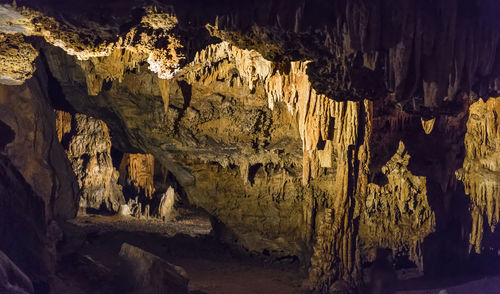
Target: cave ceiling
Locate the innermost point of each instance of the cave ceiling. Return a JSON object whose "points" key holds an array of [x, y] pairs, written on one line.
{"points": [[317, 129]]}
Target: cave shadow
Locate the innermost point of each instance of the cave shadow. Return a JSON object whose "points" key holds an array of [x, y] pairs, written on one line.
{"points": [[7, 135]]}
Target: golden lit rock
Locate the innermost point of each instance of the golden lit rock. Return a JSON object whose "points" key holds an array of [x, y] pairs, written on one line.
{"points": [[481, 169], [138, 170]]}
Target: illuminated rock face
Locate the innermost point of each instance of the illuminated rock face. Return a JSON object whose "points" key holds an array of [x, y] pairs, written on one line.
{"points": [[304, 134], [481, 169], [16, 57], [89, 147]]}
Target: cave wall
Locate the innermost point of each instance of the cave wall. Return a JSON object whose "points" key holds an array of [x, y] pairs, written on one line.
{"points": [[37, 185], [313, 129], [36, 151]]}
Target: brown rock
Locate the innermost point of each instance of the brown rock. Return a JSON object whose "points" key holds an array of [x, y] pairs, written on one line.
{"points": [[89, 150], [148, 273]]}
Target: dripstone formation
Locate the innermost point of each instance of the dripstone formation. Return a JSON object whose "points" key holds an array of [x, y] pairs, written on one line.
{"points": [[315, 129]]}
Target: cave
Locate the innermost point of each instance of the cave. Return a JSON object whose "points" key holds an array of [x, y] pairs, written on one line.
{"points": [[238, 147]]}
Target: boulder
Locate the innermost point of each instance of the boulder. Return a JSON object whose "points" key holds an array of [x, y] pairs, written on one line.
{"points": [[148, 273]]}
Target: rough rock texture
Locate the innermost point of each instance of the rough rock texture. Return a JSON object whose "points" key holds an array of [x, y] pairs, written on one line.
{"points": [[12, 279], [88, 149], [159, 49], [306, 128], [151, 274], [17, 58], [233, 123], [481, 169], [424, 53]]}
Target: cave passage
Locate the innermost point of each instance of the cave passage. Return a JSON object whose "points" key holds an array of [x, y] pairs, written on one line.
{"points": [[239, 147]]}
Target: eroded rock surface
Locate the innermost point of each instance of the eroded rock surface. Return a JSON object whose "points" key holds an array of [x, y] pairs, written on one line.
{"points": [[310, 129]]}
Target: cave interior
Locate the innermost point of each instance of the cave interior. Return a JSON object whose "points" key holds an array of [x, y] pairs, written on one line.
{"points": [[239, 147]]}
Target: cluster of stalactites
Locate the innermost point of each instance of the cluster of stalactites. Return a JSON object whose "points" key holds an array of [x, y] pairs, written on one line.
{"points": [[100, 60], [138, 170], [481, 168], [326, 127], [108, 68]]}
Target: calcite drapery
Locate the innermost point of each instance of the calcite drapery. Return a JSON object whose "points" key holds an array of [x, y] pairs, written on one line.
{"points": [[138, 170], [481, 169]]}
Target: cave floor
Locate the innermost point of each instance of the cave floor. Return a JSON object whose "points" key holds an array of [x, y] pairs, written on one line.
{"points": [[90, 254], [89, 257]]}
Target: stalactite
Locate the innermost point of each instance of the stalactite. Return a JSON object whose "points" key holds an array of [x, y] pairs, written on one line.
{"points": [[138, 170], [331, 131], [63, 123], [108, 68], [481, 168], [165, 92], [336, 256], [428, 124]]}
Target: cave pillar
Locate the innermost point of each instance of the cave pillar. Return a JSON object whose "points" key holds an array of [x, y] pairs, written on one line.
{"points": [[336, 261]]}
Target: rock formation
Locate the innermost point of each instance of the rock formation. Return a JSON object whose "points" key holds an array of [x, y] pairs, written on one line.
{"points": [[398, 215], [315, 129], [89, 147], [17, 58], [35, 150], [149, 273], [165, 209], [37, 184], [480, 172], [138, 170]]}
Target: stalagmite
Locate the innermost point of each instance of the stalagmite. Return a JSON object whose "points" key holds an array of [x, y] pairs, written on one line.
{"points": [[166, 204]]}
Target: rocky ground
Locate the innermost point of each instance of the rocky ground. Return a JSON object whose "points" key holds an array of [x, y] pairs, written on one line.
{"points": [[90, 261], [91, 256]]}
